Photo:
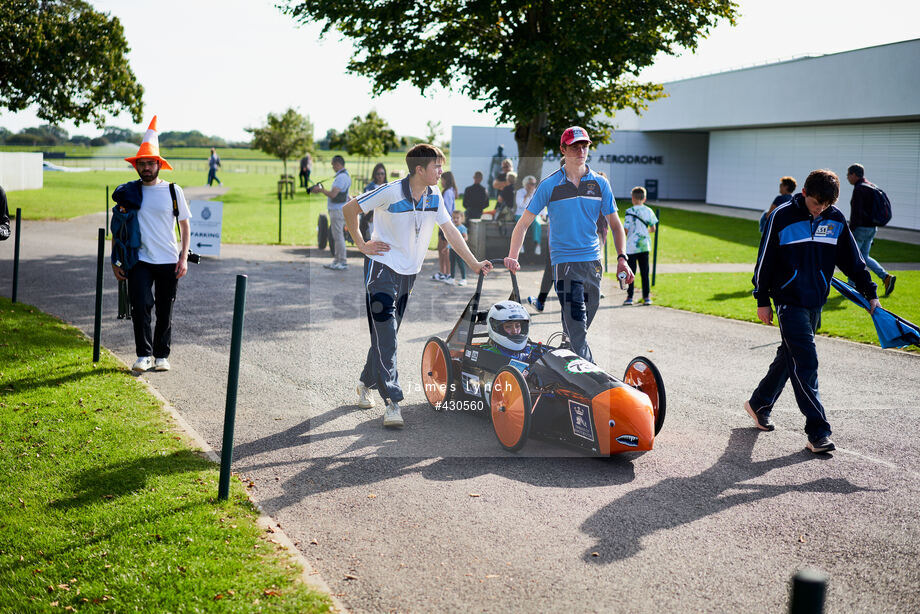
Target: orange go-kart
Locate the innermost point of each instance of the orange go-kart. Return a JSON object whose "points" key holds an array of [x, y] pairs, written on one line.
{"points": [[557, 396]]}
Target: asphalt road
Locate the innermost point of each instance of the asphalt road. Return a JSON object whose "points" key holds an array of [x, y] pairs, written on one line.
{"points": [[437, 517]]}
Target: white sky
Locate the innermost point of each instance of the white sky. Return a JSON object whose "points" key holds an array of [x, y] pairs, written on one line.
{"points": [[220, 66]]}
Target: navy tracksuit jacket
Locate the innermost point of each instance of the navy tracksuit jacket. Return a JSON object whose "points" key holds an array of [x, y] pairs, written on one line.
{"points": [[794, 267]]}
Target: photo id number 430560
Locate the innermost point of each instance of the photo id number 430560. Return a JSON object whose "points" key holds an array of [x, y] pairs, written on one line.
{"points": [[465, 405]]}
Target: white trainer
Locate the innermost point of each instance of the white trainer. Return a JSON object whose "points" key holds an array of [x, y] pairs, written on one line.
{"points": [[143, 363], [537, 250], [391, 417], [365, 400], [161, 364]]}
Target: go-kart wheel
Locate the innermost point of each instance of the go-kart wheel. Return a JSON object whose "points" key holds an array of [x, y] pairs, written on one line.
{"points": [[510, 408], [437, 373], [322, 231], [643, 375]]}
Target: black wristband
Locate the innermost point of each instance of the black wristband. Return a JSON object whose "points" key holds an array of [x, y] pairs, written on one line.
{"points": [[623, 256]]}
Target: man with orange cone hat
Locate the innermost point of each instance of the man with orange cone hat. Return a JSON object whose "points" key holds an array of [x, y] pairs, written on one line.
{"points": [[160, 262]]}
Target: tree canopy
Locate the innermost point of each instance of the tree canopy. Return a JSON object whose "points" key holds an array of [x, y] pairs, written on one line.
{"points": [[286, 136], [369, 136], [67, 59], [538, 64]]}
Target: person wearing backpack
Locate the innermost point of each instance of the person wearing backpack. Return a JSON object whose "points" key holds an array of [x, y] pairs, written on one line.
{"points": [[869, 208], [154, 262]]}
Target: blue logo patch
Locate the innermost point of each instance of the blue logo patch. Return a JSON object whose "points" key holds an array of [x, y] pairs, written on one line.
{"points": [[581, 420]]}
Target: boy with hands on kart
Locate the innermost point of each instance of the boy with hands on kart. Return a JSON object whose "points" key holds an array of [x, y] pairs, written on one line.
{"points": [[405, 213], [574, 196]]}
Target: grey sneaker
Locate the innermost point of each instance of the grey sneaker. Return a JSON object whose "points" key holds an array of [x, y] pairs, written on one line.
{"points": [[161, 364], [143, 363], [762, 419], [339, 266], [821, 445], [329, 265], [628, 301], [365, 400], [391, 417]]}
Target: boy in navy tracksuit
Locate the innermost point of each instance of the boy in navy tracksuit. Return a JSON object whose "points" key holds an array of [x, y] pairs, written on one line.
{"points": [[803, 242]]}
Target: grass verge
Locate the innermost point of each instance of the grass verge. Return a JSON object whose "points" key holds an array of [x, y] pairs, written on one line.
{"points": [[728, 295], [108, 508]]}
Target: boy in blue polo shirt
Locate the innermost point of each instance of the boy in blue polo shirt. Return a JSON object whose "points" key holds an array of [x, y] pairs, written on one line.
{"points": [[574, 196]]}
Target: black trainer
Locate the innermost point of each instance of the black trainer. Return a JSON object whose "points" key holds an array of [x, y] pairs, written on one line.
{"points": [[761, 418], [889, 284], [821, 445]]}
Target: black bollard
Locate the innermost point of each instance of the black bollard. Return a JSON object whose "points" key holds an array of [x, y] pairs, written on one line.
{"points": [[279, 217], [97, 324], [16, 253], [106, 210], [808, 589], [233, 378], [655, 255]]}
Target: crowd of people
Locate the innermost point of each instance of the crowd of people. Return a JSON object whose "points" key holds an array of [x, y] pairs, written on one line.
{"points": [[803, 239]]}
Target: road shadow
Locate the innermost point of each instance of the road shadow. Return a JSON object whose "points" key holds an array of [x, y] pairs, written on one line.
{"points": [[373, 454], [673, 502], [100, 483]]}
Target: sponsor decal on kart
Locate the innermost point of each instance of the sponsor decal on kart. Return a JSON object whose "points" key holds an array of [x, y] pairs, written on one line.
{"points": [[471, 383], [474, 355], [519, 365], [580, 365], [581, 420]]}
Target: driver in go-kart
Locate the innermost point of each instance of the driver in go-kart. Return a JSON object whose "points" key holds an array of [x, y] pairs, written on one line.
{"points": [[509, 326]]}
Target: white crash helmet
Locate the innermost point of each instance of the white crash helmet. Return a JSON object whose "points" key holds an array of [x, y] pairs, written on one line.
{"points": [[508, 311]]}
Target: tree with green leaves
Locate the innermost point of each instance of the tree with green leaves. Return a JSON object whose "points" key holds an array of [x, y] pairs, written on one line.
{"points": [[540, 65], [67, 59], [286, 136], [369, 137]]}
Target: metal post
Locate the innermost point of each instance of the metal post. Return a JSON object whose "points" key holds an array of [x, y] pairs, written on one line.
{"points": [[279, 217], [97, 325], [233, 377], [106, 210], [655, 255], [16, 253], [808, 589]]}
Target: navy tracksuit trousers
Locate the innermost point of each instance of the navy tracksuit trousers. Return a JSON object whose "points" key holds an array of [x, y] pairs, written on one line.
{"points": [[386, 296], [796, 360], [578, 286]]}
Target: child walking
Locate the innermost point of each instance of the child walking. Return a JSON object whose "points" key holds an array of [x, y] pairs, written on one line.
{"points": [[639, 222], [456, 262]]}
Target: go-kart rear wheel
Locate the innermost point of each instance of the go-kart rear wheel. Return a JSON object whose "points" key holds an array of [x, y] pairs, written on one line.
{"points": [[437, 373], [510, 407], [642, 374], [322, 231]]}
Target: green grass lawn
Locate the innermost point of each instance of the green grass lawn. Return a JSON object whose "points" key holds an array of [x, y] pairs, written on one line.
{"points": [[106, 507], [728, 295], [690, 236]]}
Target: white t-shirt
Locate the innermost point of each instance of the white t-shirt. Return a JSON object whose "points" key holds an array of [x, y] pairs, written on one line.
{"points": [[522, 200], [158, 225], [403, 225]]}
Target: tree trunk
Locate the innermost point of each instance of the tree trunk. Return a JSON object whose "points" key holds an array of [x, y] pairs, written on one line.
{"points": [[531, 147], [284, 162]]}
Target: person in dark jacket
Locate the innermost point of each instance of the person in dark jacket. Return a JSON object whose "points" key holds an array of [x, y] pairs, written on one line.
{"points": [[803, 242], [4, 217], [475, 198], [861, 222]]}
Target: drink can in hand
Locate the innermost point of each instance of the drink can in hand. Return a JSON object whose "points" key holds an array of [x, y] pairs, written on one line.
{"points": [[622, 277]]}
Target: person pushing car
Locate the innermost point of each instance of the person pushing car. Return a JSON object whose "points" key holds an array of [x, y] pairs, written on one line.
{"points": [[405, 212], [574, 196]]}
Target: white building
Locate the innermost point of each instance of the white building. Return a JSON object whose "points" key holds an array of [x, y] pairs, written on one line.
{"points": [[727, 138], [20, 171]]}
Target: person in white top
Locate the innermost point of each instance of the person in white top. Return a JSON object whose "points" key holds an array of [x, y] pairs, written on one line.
{"points": [[449, 193], [161, 262], [336, 197], [405, 213], [522, 199]]}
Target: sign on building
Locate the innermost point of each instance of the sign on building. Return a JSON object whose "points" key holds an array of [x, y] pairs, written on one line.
{"points": [[206, 222]]}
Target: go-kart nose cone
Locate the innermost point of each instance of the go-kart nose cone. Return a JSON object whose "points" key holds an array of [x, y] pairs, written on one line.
{"points": [[629, 419]]}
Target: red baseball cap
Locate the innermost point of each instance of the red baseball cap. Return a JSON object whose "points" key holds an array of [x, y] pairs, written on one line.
{"points": [[574, 135]]}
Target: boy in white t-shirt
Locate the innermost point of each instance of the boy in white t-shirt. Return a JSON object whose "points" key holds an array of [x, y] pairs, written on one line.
{"points": [[639, 221], [405, 213]]}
